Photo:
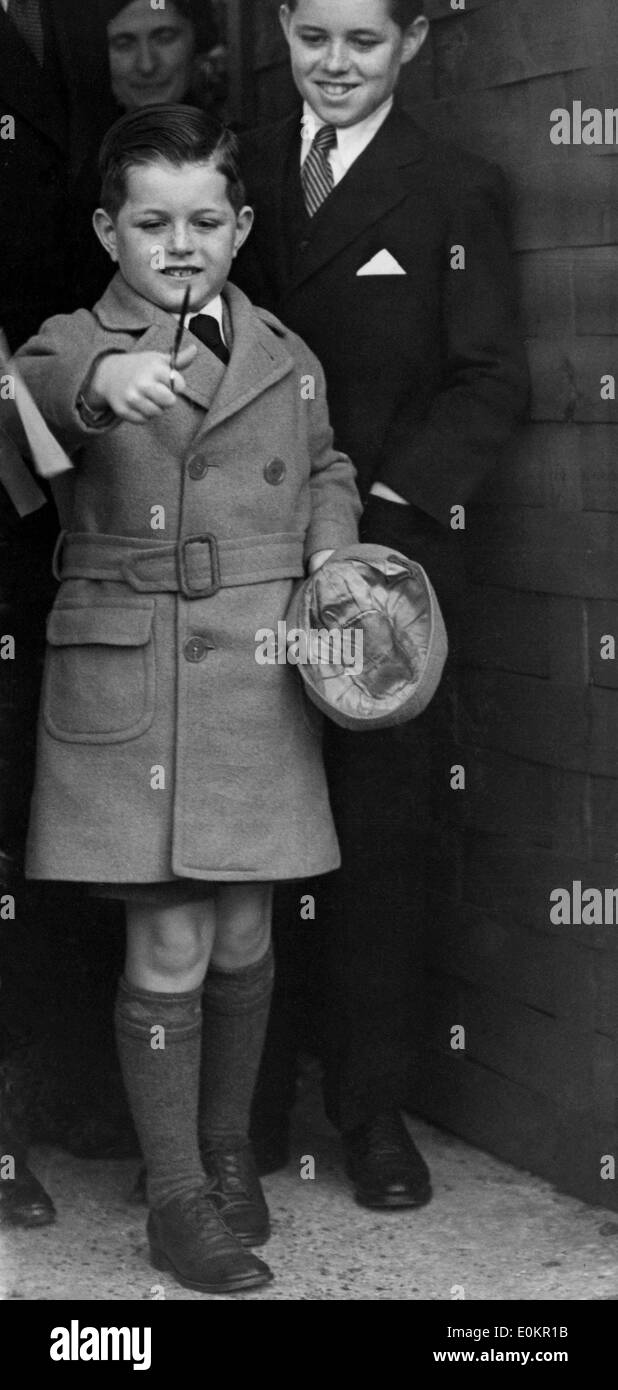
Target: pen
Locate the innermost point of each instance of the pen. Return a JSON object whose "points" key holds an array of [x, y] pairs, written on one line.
{"points": [[179, 332]]}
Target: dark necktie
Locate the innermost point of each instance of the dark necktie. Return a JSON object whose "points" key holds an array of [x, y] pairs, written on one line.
{"points": [[26, 17], [206, 328], [316, 174]]}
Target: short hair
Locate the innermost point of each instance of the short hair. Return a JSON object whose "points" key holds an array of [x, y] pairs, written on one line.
{"points": [[175, 135], [403, 12]]}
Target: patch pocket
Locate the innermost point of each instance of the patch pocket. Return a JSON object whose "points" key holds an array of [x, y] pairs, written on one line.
{"points": [[99, 684]]}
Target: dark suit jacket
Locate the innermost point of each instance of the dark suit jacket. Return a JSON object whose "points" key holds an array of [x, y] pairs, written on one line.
{"points": [[44, 224], [425, 371]]}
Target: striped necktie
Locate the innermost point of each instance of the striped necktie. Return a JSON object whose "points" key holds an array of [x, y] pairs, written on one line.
{"points": [[26, 17], [316, 174]]}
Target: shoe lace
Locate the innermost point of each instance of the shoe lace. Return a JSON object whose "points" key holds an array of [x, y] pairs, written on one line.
{"points": [[229, 1177]]}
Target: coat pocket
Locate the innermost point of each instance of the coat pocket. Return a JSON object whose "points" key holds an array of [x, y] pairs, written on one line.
{"points": [[99, 684]]}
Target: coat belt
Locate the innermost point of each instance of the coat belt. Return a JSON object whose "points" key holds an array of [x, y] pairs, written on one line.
{"points": [[195, 566]]}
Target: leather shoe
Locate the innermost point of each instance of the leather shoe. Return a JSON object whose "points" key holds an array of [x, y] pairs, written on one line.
{"points": [[237, 1193], [188, 1238], [385, 1165], [24, 1201]]}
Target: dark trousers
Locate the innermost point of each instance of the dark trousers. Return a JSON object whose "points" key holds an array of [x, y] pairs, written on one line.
{"points": [[347, 983]]}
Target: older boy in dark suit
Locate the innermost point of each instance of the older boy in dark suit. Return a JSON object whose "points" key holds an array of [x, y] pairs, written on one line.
{"points": [[387, 251]]}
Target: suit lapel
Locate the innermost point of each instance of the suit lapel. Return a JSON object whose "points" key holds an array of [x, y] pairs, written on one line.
{"points": [[378, 180], [271, 162], [27, 88]]}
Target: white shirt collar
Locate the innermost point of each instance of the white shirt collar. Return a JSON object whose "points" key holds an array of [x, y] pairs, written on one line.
{"points": [[5, 5], [351, 140]]}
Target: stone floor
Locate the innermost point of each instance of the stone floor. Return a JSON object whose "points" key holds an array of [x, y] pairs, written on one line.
{"points": [[491, 1232]]}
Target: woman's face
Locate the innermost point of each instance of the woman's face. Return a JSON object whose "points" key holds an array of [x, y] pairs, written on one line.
{"points": [[150, 54]]}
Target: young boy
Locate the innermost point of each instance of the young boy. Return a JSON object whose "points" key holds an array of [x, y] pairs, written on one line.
{"points": [[173, 770], [387, 251]]}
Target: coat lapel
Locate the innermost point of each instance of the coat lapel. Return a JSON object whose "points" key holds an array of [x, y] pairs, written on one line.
{"points": [[202, 377], [378, 180], [121, 311], [258, 357], [26, 87]]}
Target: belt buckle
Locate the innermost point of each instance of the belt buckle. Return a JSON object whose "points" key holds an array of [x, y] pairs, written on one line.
{"points": [[191, 591]]}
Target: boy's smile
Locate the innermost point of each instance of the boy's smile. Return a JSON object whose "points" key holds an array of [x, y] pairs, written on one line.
{"points": [[176, 227], [347, 55]]}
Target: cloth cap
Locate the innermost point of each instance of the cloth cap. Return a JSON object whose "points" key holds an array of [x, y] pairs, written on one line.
{"points": [[375, 638]]}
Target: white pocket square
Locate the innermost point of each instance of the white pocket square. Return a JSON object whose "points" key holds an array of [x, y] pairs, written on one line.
{"points": [[382, 264]]}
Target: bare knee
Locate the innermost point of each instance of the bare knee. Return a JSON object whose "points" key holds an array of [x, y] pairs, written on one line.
{"points": [[175, 953], [244, 914], [168, 947]]}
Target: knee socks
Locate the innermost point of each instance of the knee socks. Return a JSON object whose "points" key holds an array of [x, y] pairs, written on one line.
{"points": [[190, 1078], [236, 1007], [158, 1039]]}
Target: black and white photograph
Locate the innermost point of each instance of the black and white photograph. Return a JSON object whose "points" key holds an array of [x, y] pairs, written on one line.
{"points": [[308, 670]]}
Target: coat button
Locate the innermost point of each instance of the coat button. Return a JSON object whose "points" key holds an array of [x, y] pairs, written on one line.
{"points": [[275, 471], [197, 467], [196, 648], [304, 244]]}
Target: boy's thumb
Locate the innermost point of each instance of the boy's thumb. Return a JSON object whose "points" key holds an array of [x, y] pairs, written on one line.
{"points": [[185, 356]]}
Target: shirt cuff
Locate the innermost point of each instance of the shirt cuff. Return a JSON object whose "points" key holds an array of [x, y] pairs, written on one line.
{"points": [[94, 419], [381, 490]]}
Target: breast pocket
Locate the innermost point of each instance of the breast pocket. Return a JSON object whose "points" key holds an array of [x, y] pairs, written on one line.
{"points": [[99, 684]]}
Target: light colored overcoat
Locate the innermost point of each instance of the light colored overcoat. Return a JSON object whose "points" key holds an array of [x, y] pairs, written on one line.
{"points": [[164, 748]]}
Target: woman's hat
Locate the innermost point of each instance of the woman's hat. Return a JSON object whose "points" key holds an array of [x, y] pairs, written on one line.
{"points": [[369, 637]]}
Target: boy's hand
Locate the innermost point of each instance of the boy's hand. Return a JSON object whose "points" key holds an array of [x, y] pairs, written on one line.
{"points": [[137, 386]]}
